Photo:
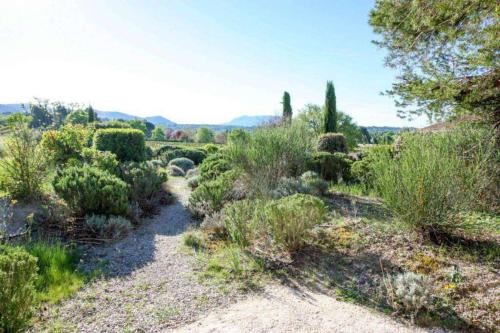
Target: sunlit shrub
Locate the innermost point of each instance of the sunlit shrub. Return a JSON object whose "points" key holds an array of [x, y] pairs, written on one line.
{"points": [[103, 160], [126, 144], [332, 143], [63, 144], [144, 179], [111, 227], [335, 167], [182, 162], [175, 171]]}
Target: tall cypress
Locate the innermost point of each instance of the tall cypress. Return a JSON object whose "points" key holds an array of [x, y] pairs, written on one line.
{"points": [[287, 108], [91, 114], [330, 112]]}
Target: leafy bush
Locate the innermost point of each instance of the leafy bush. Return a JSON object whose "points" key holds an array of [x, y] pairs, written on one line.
{"points": [[204, 135], [213, 166], [126, 144], [144, 178], [184, 163], [18, 273], [290, 219], [332, 143], [58, 276], [435, 176], [195, 239], [412, 292], [112, 227], [240, 222], [23, 167], [90, 190], [175, 171], [210, 196], [194, 181], [237, 136], [63, 144], [103, 160], [309, 175], [362, 170], [315, 186], [269, 154], [334, 167], [288, 186], [210, 148], [169, 152], [192, 173]]}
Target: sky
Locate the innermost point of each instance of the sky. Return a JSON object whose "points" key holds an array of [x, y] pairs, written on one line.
{"points": [[203, 61]]}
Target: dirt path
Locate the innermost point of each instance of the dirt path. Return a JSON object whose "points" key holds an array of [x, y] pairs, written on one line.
{"points": [[150, 285]]}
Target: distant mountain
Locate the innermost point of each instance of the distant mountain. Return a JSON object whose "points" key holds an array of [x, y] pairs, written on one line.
{"points": [[373, 129], [251, 121], [11, 108], [115, 115], [159, 120]]}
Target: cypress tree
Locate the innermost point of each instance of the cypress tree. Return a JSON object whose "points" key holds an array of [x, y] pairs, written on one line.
{"points": [[330, 112], [287, 108], [91, 114]]}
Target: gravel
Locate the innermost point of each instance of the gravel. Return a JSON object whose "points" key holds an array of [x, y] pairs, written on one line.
{"points": [[149, 285]]}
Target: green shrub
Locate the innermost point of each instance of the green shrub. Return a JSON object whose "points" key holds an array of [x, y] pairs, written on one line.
{"points": [[362, 171], [18, 273], [88, 190], [332, 143], [195, 239], [103, 160], [63, 144], [23, 167], [238, 136], [58, 277], [194, 181], [175, 171], [213, 166], [210, 196], [192, 173], [210, 148], [334, 167], [290, 219], [287, 187], [182, 162], [271, 153], [144, 179], [315, 186], [111, 227], [435, 176], [239, 221], [126, 144], [204, 135]]}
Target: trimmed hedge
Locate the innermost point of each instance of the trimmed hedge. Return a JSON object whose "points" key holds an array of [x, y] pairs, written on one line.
{"points": [[18, 272], [182, 162], [127, 144], [89, 190], [336, 167], [195, 155], [332, 143]]}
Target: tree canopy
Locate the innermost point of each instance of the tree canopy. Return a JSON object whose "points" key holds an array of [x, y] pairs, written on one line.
{"points": [[446, 53]]}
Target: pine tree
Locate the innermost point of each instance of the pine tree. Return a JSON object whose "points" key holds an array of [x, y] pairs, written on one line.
{"points": [[330, 112], [287, 108], [91, 114]]}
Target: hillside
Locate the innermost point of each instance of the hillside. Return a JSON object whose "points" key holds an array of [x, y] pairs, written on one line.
{"points": [[251, 121]]}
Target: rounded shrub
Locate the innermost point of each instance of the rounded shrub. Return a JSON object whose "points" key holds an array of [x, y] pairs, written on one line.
{"points": [[213, 166], [182, 162], [175, 171], [315, 186], [210, 148], [144, 179], [192, 173], [336, 167], [18, 273], [108, 227], [169, 152], [64, 143], [103, 160], [193, 181], [89, 190], [127, 144], [291, 219], [240, 221], [332, 143]]}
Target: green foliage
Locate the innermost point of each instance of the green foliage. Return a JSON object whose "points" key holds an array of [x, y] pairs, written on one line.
{"points": [[210, 196], [195, 155], [213, 166], [193, 181], [271, 153], [334, 167], [23, 167], [138, 125], [446, 53], [437, 175], [184, 163], [175, 171], [332, 143], [158, 134], [362, 171], [204, 135], [112, 227], [18, 272], [40, 115], [127, 144], [210, 148], [88, 190], [77, 117], [103, 160], [91, 114], [240, 221], [330, 111], [58, 277], [290, 219], [287, 107], [63, 144], [144, 179], [237, 136]]}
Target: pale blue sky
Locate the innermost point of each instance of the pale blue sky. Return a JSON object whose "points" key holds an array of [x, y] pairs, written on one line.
{"points": [[195, 61]]}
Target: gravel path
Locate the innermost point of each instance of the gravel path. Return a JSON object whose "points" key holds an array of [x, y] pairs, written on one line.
{"points": [[281, 309], [150, 285]]}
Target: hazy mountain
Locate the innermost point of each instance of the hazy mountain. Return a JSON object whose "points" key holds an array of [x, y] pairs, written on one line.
{"points": [[373, 129], [114, 115], [11, 108], [159, 120], [251, 121]]}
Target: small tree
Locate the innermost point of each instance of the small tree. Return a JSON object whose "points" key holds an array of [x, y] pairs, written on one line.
{"points": [[23, 167], [287, 108], [158, 134], [204, 135], [91, 115], [330, 116]]}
